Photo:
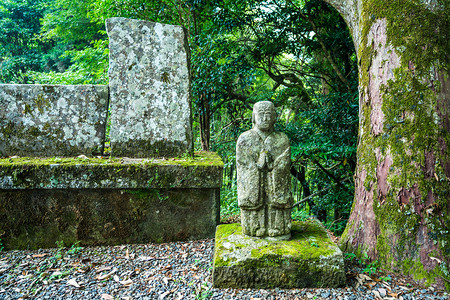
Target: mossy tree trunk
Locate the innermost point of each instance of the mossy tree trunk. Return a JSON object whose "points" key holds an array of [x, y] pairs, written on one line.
{"points": [[401, 210]]}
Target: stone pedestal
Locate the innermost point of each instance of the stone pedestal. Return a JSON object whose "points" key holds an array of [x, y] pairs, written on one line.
{"points": [[308, 259]]}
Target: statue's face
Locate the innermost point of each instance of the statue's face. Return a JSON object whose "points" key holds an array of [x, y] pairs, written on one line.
{"points": [[264, 117]]}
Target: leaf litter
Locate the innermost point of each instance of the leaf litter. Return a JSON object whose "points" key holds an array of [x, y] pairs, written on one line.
{"points": [[179, 270]]}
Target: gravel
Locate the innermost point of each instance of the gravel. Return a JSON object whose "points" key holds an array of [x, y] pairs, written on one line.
{"points": [[179, 270]]}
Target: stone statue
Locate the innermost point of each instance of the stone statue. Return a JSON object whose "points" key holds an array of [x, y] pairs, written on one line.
{"points": [[263, 158]]}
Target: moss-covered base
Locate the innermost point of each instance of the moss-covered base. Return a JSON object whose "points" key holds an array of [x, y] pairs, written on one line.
{"points": [[308, 259]]}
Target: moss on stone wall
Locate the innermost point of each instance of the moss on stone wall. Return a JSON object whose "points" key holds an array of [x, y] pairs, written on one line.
{"points": [[200, 158], [414, 214], [204, 170]]}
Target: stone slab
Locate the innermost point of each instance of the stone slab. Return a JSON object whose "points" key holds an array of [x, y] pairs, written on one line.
{"points": [[52, 120], [202, 171], [108, 202], [149, 82], [308, 260]]}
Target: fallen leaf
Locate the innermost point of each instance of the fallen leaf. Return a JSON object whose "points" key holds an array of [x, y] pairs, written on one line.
{"points": [[73, 282], [376, 294], [53, 270], [146, 258], [106, 276], [370, 285], [127, 282], [83, 270], [56, 273], [40, 255], [386, 286], [436, 259], [392, 294], [101, 269], [107, 297], [365, 277], [116, 278]]}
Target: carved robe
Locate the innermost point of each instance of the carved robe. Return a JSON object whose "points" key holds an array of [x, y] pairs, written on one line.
{"points": [[263, 182]]}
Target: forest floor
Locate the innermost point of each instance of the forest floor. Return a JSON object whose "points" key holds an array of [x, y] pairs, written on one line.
{"points": [[179, 270]]}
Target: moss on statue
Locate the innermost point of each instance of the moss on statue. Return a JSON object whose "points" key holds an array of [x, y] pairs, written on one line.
{"points": [[412, 133]]}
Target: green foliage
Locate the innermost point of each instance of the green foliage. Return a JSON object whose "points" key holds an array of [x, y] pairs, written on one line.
{"points": [[298, 54], [369, 266], [228, 202], [20, 48], [299, 215], [90, 66], [385, 278]]}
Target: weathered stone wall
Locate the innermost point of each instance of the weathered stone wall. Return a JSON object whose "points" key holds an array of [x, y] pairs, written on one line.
{"points": [[108, 202], [46, 196], [36, 218], [44, 120], [149, 83]]}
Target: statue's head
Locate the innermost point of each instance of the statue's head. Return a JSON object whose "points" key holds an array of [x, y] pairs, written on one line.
{"points": [[264, 115]]}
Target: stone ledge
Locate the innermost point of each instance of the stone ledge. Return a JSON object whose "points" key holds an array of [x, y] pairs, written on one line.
{"points": [[309, 259], [99, 201], [202, 171]]}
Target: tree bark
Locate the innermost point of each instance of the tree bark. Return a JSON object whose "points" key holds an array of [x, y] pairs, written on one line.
{"points": [[204, 118], [401, 209]]}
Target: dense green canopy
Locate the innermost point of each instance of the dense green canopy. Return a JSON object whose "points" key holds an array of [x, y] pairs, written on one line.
{"points": [[298, 54]]}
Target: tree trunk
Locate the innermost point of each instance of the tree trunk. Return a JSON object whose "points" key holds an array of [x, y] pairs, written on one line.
{"points": [[204, 118], [401, 209]]}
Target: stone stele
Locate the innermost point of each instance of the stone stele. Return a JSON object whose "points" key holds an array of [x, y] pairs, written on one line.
{"points": [[263, 158], [52, 120], [309, 259], [149, 81]]}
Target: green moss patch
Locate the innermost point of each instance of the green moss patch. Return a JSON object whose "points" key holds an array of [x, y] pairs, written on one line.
{"points": [[204, 170]]}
